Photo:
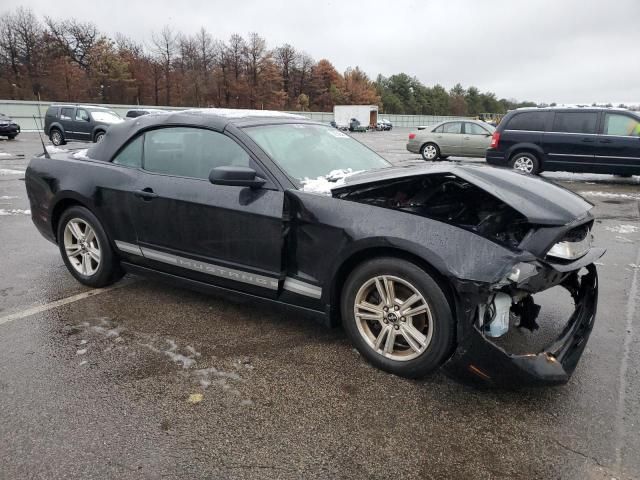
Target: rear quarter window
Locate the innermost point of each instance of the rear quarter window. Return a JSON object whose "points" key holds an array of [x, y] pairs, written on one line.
{"points": [[531, 121]]}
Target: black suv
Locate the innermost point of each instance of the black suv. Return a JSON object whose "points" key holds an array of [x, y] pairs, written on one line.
{"points": [[594, 140], [78, 122]]}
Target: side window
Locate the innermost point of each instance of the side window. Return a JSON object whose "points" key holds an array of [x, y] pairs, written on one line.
{"points": [[190, 152], [622, 125], [575, 122], [454, 127], [82, 115], [131, 154], [66, 113], [440, 129], [531, 121], [473, 129]]}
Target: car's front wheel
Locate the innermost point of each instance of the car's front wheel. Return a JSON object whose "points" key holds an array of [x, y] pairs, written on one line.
{"points": [[85, 248], [397, 317], [430, 151], [526, 162], [99, 136]]}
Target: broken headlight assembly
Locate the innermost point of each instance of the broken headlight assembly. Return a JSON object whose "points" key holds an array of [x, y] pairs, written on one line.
{"points": [[574, 245]]}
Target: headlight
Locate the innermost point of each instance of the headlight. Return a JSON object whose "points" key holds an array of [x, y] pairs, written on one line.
{"points": [[568, 250]]}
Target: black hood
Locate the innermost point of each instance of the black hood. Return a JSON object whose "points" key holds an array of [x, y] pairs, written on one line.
{"points": [[540, 201]]}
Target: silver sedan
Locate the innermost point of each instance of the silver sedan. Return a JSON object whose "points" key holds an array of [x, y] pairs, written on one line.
{"points": [[461, 138]]}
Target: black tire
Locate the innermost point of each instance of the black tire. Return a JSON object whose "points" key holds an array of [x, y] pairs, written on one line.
{"points": [[56, 137], [526, 162], [426, 152], [98, 137], [444, 157], [11, 137], [108, 270], [443, 331]]}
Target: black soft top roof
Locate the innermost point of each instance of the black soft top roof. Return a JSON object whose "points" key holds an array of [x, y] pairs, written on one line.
{"points": [[213, 118]]}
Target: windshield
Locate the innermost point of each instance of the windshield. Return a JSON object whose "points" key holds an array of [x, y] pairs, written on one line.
{"points": [[306, 151], [106, 116]]}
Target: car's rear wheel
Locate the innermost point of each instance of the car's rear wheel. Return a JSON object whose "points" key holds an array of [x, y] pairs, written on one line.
{"points": [[11, 137], [99, 136], [430, 152], [85, 248], [56, 137], [397, 317], [525, 162]]}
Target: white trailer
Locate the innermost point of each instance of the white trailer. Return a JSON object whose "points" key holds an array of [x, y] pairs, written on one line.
{"points": [[367, 115]]}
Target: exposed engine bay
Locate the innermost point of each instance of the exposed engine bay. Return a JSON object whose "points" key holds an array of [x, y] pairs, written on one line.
{"points": [[450, 199]]}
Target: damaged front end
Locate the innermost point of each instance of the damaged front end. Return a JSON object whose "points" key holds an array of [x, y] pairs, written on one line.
{"points": [[479, 358], [547, 228]]}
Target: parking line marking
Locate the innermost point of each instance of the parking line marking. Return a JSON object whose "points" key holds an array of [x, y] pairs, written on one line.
{"points": [[58, 303], [620, 427]]}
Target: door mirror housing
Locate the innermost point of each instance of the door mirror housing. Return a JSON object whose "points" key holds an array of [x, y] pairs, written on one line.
{"points": [[236, 176]]}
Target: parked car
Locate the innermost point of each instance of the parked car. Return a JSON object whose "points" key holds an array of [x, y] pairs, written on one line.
{"points": [[8, 128], [78, 122], [422, 265], [595, 140], [356, 126], [387, 124], [138, 112], [468, 138]]}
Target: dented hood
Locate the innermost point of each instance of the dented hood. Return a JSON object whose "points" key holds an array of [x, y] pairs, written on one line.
{"points": [[540, 201]]}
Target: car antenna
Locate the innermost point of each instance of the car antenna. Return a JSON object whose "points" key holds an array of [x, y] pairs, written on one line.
{"points": [[46, 153]]}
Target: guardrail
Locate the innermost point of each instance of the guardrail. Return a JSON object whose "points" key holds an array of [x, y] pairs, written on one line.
{"points": [[23, 112]]}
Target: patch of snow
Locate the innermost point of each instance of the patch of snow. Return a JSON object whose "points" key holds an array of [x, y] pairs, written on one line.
{"points": [[323, 185], [622, 229], [7, 197], [4, 154], [10, 171], [82, 351], [242, 113], [81, 154], [13, 211], [630, 196], [83, 362], [53, 149], [633, 265]]}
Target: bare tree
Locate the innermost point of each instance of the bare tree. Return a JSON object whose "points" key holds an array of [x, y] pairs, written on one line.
{"points": [[164, 47], [74, 39], [286, 60]]}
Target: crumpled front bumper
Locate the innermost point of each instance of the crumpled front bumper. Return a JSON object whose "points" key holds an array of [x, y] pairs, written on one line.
{"points": [[477, 360]]}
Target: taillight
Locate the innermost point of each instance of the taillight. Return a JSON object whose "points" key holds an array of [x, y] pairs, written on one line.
{"points": [[495, 139], [412, 136]]}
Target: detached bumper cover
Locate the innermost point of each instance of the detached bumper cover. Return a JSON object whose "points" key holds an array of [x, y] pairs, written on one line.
{"points": [[478, 360]]}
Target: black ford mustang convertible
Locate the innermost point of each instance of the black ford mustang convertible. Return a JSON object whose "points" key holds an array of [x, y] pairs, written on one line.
{"points": [[425, 266]]}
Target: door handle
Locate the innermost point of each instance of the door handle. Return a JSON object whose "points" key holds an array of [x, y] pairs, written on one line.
{"points": [[606, 140], [587, 140], [145, 194], [467, 138]]}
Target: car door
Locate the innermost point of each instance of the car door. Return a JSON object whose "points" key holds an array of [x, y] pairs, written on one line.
{"points": [[449, 138], [66, 120], [82, 124], [618, 147], [570, 145], [475, 140], [231, 236]]}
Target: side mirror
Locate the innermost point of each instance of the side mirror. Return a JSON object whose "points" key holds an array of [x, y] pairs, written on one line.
{"points": [[236, 176]]}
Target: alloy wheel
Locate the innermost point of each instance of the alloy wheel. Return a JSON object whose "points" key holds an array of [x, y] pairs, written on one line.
{"points": [[56, 138], [523, 164], [82, 247], [393, 317]]}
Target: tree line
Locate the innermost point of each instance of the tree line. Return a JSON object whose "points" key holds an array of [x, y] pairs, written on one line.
{"points": [[70, 60]]}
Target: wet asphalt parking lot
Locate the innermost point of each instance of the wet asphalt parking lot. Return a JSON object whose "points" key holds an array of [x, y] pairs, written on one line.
{"points": [[145, 380]]}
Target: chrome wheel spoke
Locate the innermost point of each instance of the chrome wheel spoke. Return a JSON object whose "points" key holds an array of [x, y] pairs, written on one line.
{"points": [[382, 291], [381, 336], [73, 250], [75, 230], [390, 340], [416, 340], [94, 253], [90, 235]]}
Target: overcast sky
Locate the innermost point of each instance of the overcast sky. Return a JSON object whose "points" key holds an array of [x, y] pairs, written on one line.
{"points": [[564, 51]]}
